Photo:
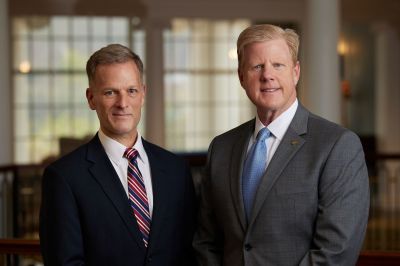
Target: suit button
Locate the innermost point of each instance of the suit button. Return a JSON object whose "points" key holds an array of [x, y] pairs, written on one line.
{"points": [[247, 247]]}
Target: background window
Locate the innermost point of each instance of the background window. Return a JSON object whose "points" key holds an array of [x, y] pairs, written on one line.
{"points": [[49, 78], [203, 96]]}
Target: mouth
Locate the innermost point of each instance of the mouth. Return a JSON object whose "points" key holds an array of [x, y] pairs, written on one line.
{"points": [[269, 90], [121, 115]]}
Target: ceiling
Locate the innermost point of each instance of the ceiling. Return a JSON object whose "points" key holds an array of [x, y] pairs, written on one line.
{"points": [[370, 11]]}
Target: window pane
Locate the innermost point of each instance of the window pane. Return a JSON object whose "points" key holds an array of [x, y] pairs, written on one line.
{"points": [[119, 27], [40, 54], [22, 123], [80, 84], [61, 59], [99, 26], [79, 27], [200, 59], [138, 44], [38, 26], [60, 26], [22, 150], [221, 56], [42, 126], [22, 84], [79, 55], [41, 93], [98, 44], [122, 41], [42, 148], [21, 52], [19, 26], [62, 122], [82, 121]]}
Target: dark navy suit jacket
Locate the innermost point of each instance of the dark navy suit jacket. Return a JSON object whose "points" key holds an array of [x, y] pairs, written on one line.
{"points": [[86, 218]]}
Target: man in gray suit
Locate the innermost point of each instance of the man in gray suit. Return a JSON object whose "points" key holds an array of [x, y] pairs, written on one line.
{"points": [[297, 196]]}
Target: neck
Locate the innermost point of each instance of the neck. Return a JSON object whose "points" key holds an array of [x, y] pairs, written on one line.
{"points": [[267, 117]]}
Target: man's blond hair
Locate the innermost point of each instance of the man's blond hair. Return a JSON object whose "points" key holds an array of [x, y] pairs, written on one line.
{"points": [[267, 32]]}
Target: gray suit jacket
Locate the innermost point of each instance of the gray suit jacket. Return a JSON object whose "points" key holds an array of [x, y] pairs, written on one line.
{"points": [[311, 207]]}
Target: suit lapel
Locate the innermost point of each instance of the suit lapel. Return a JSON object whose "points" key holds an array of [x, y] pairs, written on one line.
{"points": [[238, 156], [161, 189], [103, 172], [290, 144]]}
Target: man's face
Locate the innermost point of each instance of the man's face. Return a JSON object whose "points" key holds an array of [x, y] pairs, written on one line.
{"points": [[269, 77], [117, 94]]}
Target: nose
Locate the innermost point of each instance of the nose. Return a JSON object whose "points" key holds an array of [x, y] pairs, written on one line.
{"points": [[267, 74], [122, 100]]}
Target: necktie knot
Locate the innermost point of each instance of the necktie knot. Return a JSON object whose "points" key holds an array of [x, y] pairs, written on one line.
{"points": [[263, 134], [131, 154]]}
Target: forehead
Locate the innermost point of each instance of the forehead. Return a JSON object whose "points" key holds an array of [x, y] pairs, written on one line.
{"points": [[276, 48], [116, 75], [128, 66], [117, 71]]}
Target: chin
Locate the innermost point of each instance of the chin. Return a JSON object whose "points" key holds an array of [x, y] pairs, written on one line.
{"points": [[269, 104]]}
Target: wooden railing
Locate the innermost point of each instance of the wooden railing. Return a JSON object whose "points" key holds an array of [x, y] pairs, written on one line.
{"points": [[20, 246], [15, 252], [32, 247], [383, 231], [378, 258]]}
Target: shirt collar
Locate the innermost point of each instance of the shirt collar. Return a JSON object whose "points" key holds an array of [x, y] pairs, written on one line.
{"points": [[115, 150], [279, 126]]}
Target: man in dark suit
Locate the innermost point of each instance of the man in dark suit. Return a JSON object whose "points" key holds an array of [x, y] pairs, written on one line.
{"points": [[117, 200], [288, 187]]}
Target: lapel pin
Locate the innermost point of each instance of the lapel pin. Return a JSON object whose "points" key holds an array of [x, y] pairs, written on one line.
{"points": [[294, 142]]}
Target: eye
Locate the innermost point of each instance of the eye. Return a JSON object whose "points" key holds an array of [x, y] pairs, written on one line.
{"points": [[278, 65], [109, 93], [133, 91], [258, 67]]}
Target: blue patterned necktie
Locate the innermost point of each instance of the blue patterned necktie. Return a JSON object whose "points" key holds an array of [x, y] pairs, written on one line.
{"points": [[253, 170]]}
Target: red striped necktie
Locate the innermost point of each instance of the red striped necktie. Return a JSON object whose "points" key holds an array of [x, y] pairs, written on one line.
{"points": [[137, 194]]}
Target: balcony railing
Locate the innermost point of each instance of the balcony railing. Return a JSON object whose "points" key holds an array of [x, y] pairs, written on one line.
{"points": [[31, 248], [20, 192]]}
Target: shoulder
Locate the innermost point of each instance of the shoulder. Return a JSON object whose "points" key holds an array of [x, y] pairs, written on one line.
{"points": [[155, 152], [326, 127], [74, 161], [235, 133], [325, 132]]}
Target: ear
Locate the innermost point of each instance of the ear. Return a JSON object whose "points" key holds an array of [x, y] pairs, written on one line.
{"points": [[144, 94], [90, 98], [240, 75], [296, 73]]}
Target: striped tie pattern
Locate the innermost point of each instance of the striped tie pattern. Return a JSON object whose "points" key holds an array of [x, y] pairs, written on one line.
{"points": [[137, 194]]}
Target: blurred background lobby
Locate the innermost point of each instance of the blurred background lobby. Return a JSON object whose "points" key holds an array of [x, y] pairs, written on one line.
{"points": [[350, 74]]}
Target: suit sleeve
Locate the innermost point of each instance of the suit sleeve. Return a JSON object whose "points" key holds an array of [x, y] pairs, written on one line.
{"points": [[207, 242], [60, 230], [343, 205]]}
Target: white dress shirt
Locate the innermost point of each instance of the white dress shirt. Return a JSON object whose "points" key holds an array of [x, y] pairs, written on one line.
{"points": [[278, 128], [115, 152]]}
